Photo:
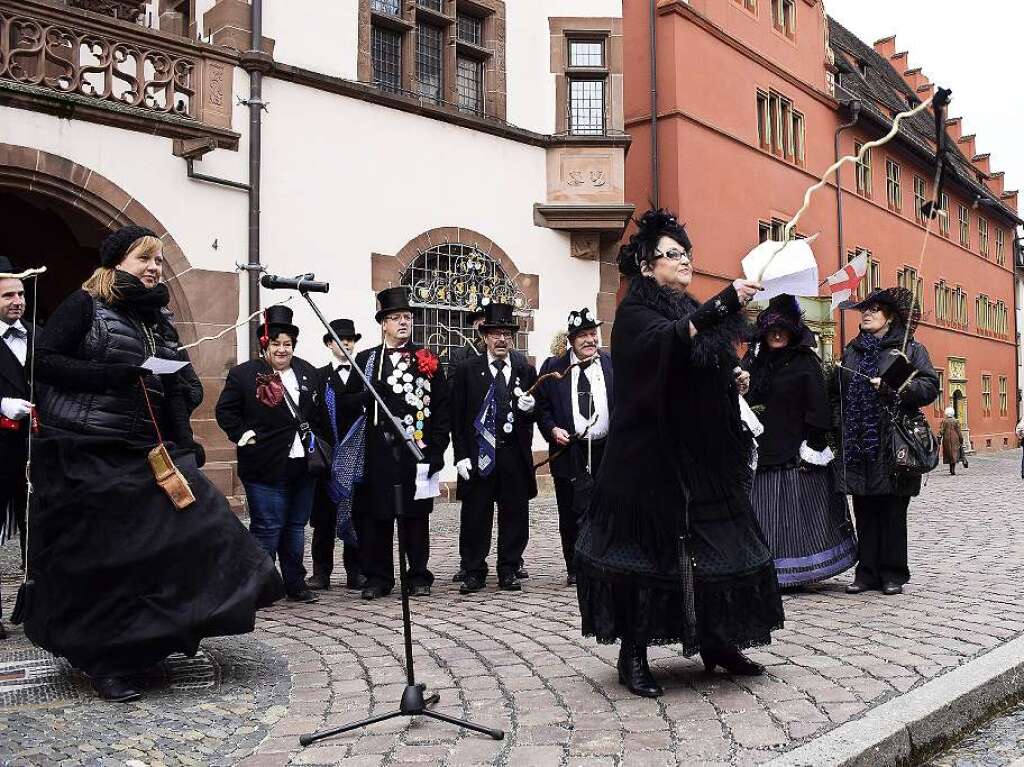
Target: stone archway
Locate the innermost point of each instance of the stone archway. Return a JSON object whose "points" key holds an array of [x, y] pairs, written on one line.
{"points": [[204, 301]]}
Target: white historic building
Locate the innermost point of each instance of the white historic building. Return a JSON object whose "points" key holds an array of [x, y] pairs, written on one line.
{"points": [[463, 147]]}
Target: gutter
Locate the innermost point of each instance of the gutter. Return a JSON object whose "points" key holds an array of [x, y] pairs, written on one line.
{"points": [[854, 106]]}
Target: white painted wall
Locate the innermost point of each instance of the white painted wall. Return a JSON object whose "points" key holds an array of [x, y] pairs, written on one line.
{"points": [[320, 35]]}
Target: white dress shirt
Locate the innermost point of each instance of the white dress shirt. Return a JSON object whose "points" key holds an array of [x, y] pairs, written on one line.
{"points": [[599, 392], [291, 384], [18, 343], [506, 371], [344, 370]]}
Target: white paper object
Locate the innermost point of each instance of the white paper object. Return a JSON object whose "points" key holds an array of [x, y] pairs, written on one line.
{"points": [[161, 367], [791, 269], [426, 486]]}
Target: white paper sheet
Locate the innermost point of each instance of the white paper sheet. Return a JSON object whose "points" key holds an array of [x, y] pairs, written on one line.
{"points": [[161, 367], [791, 270], [426, 486]]}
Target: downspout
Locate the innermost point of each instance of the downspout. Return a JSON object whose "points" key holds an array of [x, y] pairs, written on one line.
{"points": [[655, 173], [854, 106]]}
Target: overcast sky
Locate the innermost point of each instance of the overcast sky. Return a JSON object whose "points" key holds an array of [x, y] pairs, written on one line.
{"points": [[973, 48]]}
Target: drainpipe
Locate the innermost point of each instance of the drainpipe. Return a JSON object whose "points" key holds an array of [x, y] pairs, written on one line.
{"points": [[854, 106], [655, 173], [256, 63]]}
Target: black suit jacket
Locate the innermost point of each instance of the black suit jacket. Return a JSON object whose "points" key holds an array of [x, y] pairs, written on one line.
{"points": [[381, 471], [555, 407], [238, 411], [14, 383], [348, 397], [470, 385]]}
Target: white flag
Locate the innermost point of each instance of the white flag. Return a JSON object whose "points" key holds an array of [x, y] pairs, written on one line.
{"points": [[844, 283]]}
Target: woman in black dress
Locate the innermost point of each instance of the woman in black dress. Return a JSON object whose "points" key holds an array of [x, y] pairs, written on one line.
{"points": [[670, 550], [803, 518], [119, 577]]}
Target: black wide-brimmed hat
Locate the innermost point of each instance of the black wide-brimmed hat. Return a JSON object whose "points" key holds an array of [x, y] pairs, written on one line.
{"points": [[392, 300], [6, 267], [116, 245], [579, 321], [343, 329], [278, 319], [499, 317], [900, 300], [783, 312]]}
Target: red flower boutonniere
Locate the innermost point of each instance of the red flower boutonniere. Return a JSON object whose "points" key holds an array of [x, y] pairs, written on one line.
{"points": [[427, 362]]}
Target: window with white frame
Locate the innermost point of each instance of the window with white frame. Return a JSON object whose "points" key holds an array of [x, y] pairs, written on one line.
{"points": [[983, 236], [965, 225], [893, 185], [920, 198], [863, 171], [1000, 246], [587, 73], [781, 129]]}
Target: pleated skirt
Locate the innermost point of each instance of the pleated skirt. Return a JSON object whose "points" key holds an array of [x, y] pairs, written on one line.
{"points": [[805, 522]]}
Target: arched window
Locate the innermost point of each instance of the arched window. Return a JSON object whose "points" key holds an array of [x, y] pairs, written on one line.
{"points": [[449, 281]]}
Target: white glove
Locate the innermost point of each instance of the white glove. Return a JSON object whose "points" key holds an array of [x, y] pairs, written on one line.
{"points": [[15, 408], [527, 403], [464, 467], [249, 438]]}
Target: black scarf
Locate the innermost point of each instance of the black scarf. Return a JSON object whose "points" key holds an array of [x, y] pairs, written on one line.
{"points": [[145, 303], [863, 406]]}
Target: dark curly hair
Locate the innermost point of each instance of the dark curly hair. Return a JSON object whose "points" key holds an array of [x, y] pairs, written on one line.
{"points": [[651, 227]]}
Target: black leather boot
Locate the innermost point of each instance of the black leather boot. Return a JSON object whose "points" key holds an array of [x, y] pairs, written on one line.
{"points": [[731, 660], [634, 672], [116, 689]]}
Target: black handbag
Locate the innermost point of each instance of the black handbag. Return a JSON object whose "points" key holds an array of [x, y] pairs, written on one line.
{"points": [[913, 446], [318, 459]]}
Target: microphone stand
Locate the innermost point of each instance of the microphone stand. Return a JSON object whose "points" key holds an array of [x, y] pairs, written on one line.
{"points": [[413, 702]]}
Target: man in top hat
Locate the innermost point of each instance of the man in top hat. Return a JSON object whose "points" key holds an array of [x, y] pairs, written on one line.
{"points": [[342, 392], [267, 408], [15, 408], [492, 417], [573, 413], [412, 383]]}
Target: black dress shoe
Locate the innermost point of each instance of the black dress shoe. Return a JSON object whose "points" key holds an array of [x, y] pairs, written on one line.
{"points": [[510, 583], [472, 584], [305, 596], [419, 590], [115, 689], [732, 661], [355, 582], [319, 582], [522, 573], [635, 673], [857, 587], [459, 577], [890, 589], [374, 592], [570, 579]]}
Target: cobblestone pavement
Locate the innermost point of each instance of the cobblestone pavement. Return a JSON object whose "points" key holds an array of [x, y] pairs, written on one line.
{"points": [[1000, 743], [516, 661]]}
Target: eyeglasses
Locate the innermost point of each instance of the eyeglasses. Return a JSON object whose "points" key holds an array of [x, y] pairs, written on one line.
{"points": [[399, 317], [500, 334], [676, 255]]}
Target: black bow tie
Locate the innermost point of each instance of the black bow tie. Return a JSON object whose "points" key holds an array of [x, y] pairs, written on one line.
{"points": [[15, 332]]}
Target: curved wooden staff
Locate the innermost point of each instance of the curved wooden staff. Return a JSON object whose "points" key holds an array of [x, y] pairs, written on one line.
{"points": [[572, 441], [556, 375]]}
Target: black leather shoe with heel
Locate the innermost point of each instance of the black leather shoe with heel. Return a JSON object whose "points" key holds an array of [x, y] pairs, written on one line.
{"points": [[635, 673], [732, 661]]}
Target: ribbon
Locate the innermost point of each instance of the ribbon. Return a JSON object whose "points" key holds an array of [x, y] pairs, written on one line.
{"points": [[487, 442]]}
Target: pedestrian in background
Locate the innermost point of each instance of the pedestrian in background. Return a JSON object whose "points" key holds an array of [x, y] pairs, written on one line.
{"points": [[952, 440]]}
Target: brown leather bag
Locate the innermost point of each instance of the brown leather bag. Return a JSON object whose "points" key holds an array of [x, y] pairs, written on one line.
{"points": [[170, 479]]}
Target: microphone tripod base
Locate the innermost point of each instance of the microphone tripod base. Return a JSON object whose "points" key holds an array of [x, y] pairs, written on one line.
{"points": [[414, 703]]}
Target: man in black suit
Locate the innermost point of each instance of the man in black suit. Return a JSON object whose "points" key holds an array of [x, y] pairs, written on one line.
{"points": [[492, 419], [573, 416], [412, 383], [342, 392], [15, 408]]}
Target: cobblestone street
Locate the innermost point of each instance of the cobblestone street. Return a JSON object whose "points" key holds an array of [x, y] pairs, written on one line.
{"points": [[516, 661]]}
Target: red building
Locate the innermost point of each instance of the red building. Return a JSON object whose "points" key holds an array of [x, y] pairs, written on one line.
{"points": [[754, 100]]}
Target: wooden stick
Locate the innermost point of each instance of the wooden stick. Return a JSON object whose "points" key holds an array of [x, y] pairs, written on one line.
{"points": [[554, 374]]}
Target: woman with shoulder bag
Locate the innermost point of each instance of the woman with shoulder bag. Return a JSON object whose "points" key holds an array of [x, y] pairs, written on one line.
{"points": [[871, 469], [272, 410]]}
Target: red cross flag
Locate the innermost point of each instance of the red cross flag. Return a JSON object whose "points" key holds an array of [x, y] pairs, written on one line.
{"points": [[845, 282]]}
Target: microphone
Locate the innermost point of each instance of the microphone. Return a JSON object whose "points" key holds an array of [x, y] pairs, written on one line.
{"points": [[303, 283]]}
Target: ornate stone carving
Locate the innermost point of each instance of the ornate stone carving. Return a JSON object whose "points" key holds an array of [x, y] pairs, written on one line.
{"points": [[586, 245], [127, 10]]}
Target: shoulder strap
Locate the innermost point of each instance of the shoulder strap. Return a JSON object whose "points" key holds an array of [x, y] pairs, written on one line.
{"points": [[303, 426]]}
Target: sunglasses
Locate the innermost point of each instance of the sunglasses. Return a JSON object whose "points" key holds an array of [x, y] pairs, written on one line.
{"points": [[676, 255]]}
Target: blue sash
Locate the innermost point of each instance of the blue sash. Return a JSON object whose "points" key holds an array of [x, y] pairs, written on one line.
{"points": [[485, 435]]}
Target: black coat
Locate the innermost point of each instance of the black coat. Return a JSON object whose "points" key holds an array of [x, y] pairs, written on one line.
{"points": [[879, 477], [470, 385], [381, 472], [14, 383], [349, 397], [238, 411], [790, 385], [555, 408]]}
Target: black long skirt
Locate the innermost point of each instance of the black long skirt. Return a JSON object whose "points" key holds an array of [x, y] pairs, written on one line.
{"points": [[120, 578]]}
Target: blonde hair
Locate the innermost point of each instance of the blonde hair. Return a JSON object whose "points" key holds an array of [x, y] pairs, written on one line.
{"points": [[101, 283]]}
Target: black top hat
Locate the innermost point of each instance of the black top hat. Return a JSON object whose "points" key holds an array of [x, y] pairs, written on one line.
{"points": [[900, 300], [6, 266], [343, 329], [783, 311], [580, 321], [115, 247], [499, 317], [392, 300], [278, 319]]}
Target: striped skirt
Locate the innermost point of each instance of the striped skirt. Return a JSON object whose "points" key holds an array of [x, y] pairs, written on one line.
{"points": [[806, 523]]}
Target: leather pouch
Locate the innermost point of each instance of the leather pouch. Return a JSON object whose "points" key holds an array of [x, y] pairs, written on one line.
{"points": [[170, 479]]}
